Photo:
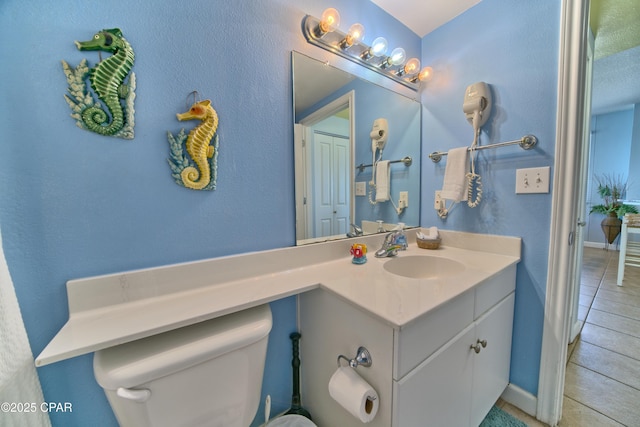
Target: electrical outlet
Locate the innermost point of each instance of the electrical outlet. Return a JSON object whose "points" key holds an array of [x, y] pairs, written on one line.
{"points": [[532, 180], [403, 200], [361, 188], [439, 202]]}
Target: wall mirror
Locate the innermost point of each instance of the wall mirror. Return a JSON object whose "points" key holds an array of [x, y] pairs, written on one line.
{"points": [[334, 116]]}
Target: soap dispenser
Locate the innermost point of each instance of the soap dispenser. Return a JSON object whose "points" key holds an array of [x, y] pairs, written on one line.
{"points": [[401, 238]]}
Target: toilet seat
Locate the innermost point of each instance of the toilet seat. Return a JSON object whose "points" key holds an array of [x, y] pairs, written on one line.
{"points": [[291, 421]]}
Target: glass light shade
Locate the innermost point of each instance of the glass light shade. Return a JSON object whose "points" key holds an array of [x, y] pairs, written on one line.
{"points": [[412, 66], [425, 74], [379, 46], [330, 20], [355, 34], [397, 57]]}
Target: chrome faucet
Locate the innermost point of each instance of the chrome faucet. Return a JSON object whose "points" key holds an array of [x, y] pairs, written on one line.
{"points": [[357, 231], [390, 245]]}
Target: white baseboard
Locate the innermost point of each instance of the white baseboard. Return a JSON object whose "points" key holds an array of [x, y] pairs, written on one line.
{"points": [[599, 245], [521, 399]]}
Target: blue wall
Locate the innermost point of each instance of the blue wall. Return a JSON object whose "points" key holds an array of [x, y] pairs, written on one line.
{"points": [[513, 46], [74, 204], [403, 117], [610, 155]]}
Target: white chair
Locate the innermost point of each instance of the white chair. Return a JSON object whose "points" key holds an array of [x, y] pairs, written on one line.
{"points": [[629, 250]]}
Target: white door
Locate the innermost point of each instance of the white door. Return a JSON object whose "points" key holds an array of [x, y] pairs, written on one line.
{"points": [[581, 193], [331, 184]]}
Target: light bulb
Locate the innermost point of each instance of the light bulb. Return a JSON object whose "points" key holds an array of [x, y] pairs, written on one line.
{"points": [[425, 74], [330, 20], [398, 56], [412, 66], [379, 46], [356, 34]]}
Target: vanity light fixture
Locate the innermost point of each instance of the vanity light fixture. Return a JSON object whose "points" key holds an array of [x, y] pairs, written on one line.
{"points": [[324, 33]]}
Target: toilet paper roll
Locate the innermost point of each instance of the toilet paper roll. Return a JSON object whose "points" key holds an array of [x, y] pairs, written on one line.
{"points": [[354, 394]]}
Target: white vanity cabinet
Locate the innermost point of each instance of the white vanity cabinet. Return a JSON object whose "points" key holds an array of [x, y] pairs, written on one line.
{"points": [[457, 386], [427, 372]]}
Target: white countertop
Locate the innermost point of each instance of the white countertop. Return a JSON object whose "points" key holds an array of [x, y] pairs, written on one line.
{"points": [[113, 309], [399, 300]]}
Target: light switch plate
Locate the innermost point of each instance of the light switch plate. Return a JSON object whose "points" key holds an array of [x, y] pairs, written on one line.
{"points": [[403, 199], [361, 188], [532, 180], [438, 202]]}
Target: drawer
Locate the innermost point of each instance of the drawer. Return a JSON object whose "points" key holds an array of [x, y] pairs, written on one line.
{"points": [[494, 289]]}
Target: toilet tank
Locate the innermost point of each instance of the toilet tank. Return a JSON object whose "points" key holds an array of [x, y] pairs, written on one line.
{"points": [[207, 374]]}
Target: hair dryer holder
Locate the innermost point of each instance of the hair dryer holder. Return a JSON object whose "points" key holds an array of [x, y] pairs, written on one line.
{"points": [[362, 358]]}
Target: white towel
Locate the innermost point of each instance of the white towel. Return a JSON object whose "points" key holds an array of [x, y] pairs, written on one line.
{"points": [[455, 182], [432, 234], [18, 379], [383, 177]]}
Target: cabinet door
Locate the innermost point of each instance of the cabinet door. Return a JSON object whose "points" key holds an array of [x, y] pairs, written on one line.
{"points": [[437, 393], [491, 365]]}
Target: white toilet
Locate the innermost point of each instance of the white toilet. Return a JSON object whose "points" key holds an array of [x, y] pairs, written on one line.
{"points": [[207, 374]]}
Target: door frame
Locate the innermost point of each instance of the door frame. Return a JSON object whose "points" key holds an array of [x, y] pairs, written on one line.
{"points": [[302, 157], [572, 61]]}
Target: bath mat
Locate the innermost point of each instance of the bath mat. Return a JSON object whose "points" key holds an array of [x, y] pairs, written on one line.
{"points": [[498, 418]]}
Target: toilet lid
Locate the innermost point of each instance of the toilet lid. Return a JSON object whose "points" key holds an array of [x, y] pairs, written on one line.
{"points": [[291, 421]]}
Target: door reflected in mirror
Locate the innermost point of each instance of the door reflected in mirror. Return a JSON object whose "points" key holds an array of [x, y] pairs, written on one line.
{"points": [[344, 186]]}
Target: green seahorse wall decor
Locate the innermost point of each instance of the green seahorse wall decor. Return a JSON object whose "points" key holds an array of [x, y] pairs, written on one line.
{"points": [[111, 80], [199, 173]]}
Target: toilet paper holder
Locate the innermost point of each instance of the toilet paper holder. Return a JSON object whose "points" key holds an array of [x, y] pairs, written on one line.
{"points": [[363, 358]]}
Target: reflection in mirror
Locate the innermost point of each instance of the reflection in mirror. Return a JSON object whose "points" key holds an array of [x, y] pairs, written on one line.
{"points": [[337, 139]]}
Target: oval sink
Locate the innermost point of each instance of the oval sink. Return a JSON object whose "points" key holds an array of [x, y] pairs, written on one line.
{"points": [[423, 267]]}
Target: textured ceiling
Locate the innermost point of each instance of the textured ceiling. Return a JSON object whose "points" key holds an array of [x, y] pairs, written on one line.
{"points": [[615, 25]]}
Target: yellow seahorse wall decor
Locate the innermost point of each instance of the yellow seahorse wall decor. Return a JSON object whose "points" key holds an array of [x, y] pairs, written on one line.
{"points": [[200, 173]]}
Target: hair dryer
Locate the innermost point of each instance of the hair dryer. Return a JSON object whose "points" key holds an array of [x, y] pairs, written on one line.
{"points": [[379, 134], [477, 104], [477, 108]]}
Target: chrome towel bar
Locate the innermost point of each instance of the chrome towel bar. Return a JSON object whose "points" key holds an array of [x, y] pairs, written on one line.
{"points": [[527, 142]]}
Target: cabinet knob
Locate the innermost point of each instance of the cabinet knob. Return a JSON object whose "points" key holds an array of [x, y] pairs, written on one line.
{"points": [[480, 344]]}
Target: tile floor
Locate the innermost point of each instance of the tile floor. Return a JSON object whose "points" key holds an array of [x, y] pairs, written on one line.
{"points": [[602, 382]]}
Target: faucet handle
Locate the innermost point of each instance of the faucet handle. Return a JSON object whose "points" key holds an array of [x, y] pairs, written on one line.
{"points": [[357, 230]]}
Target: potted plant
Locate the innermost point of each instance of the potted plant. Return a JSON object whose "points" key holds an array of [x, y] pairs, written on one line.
{"points": [[612, 189]]}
